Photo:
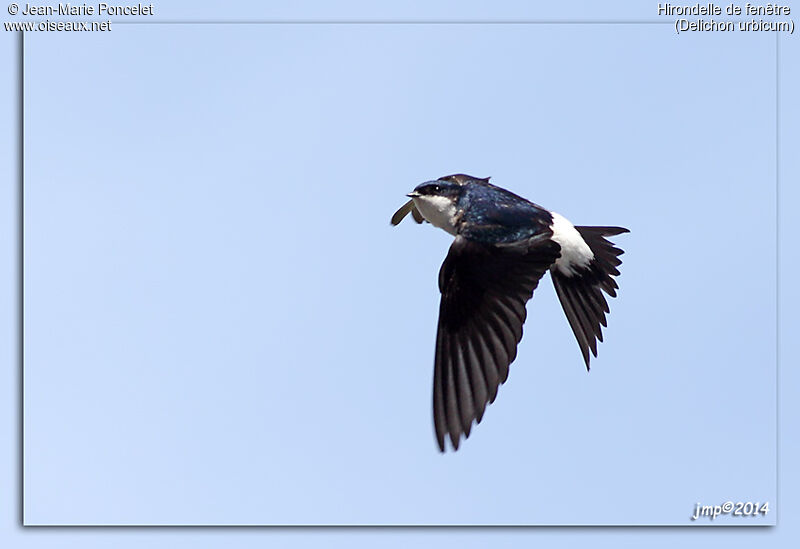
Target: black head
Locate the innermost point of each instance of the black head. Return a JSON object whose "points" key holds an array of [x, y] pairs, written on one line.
{"points": [[448, 185], [463, 179]]}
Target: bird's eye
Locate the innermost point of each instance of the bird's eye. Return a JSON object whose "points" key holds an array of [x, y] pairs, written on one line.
{"points": [[436, 188]]}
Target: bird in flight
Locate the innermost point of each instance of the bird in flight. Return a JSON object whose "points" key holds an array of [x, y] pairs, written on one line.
{"points": [[503, 246]]}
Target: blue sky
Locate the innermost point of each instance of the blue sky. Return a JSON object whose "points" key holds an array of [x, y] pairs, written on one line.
{"points": [[207, 355]]}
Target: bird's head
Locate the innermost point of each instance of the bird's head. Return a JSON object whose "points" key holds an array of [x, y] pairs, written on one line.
{"points": [[437, 200], [448, 187]]}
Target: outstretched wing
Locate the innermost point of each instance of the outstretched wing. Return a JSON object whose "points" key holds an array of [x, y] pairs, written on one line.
{"points": [[484, 291]]}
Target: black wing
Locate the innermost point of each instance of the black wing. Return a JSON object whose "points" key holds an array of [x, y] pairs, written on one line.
{"points": [[484, 292], [581, 294]]}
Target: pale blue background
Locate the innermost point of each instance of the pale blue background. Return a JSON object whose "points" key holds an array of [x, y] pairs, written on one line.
{"points": [[221, 327], [498, 439]]}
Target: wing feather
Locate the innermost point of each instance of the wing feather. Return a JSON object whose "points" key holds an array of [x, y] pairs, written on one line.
{"points": [[484, 291]]}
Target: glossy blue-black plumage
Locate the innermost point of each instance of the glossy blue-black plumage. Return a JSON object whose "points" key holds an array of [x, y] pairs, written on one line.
{"points": [[487, 213], [495, 215]]}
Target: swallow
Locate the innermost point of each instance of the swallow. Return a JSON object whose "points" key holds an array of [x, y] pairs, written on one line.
{"points": [[503, 246]]}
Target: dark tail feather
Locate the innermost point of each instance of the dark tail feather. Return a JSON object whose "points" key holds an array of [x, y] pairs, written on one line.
{"points": [[581, 294]]}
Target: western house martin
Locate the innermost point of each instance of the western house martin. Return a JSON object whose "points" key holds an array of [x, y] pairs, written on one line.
{"points": [[503, 246]]}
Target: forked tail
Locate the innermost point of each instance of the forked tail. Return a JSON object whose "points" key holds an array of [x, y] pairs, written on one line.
{"points": [[581, 293]]}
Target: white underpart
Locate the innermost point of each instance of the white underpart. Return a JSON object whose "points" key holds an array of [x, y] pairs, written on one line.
{"points": [[439, 210], [575, 252]]}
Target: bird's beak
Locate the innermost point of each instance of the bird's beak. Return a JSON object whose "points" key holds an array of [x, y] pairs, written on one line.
{"points": [[413, 194]]}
